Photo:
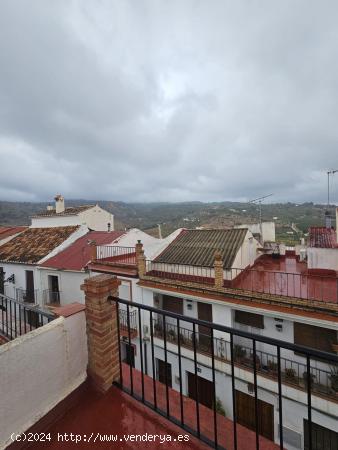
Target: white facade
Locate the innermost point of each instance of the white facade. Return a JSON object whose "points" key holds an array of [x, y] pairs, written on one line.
{"points": [[322, 258], [94, 217], [267, 230]]}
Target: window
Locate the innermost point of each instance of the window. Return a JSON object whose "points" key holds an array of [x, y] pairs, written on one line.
{"points": [[246, 318], [322, 438], [172, 304], [315, 337]]}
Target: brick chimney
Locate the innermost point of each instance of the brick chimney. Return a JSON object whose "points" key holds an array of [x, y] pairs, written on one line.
{"points": [[140, 259], [218, 268], [59, 204]]}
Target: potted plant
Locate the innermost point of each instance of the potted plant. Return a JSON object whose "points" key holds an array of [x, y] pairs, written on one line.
{"points": [[272, 367], [305, 378], [290, 374], [172, 335], [219, 407], [239, 353]]}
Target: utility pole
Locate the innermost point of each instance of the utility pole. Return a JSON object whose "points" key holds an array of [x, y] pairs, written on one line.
{"points": [[259, 202]]}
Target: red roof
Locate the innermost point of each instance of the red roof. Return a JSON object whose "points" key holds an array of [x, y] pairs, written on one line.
{"points": [[78, 254], [322, 237], [5, 232]]}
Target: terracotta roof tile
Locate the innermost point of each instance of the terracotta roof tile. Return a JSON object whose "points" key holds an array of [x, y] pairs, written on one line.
{"points": [[34, 244], [6, 232], [198, 247], [70, 211], [322, 237]]}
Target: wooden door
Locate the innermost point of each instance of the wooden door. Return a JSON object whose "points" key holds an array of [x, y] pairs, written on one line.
{"points": [[129, 355], [205, 390], [204, 311], [322, 438], [30, 294], [161, 369], [245, 414]]}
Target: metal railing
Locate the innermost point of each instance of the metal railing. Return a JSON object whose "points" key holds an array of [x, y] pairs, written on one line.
{"points": [[299, 285], [305, 285], [26, 296], [124, 323], [181, 272], [189, 409], [292, 371], [51, 297], [116, 254], [17, 318]]}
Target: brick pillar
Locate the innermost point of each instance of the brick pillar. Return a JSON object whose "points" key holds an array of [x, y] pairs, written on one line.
{"points": [[102, 332], [93, 251], [140, 259], [218, 267]]}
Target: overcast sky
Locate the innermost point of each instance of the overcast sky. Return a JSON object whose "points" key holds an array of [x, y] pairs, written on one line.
{"points": [[168, 100]]}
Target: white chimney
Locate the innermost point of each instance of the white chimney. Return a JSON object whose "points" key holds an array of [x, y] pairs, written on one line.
{"points": [[59, 204]]}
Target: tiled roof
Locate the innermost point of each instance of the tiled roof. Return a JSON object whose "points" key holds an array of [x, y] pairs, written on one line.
{"points": [[34, 244], [6, 232], [322, 237], [78, 254], [71, 211], [198, 247]]}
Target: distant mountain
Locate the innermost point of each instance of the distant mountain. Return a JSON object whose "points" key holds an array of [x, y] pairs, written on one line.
{"points": [[291, 219]]}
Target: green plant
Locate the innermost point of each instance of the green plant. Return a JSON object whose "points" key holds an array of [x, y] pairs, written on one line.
{"points": [[290, 373], [239, 351], [219, 407], [273, 366], [172, 334], [305, 378], [334, 378]]}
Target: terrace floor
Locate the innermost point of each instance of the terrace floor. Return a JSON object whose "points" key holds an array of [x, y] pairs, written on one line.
{"points": [[289, 277], [114, 413]]}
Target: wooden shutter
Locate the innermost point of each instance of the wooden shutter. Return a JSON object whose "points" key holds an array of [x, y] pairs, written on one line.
{"points": [[315, 337], [173, 304], [246, 318]]}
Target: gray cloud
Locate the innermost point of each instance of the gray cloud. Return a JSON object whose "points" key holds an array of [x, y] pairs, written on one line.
{"points": [[170, 101]]}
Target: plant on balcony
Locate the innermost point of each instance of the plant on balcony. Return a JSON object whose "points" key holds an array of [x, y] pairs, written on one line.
{"points": [[172, 335], [219, 407], [305, 378], [182, 339], [334, 378], [239, 352], [290, 374], [272, 366]]}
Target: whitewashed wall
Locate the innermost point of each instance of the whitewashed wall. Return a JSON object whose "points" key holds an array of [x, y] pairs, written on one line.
{"points": [[38, 370], [69, 284], [97, 219], [322, 258]]}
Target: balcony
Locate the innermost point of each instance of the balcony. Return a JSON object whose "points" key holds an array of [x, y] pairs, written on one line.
{"points": [[275, 280], [51, 298], [17, 318], [27, 296], [114, 259], [128, 324], [227, 394], [293, 372]]}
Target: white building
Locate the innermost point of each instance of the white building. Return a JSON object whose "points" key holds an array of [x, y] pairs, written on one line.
{"points": [[178, 280], [21, 256], [92, 216]]}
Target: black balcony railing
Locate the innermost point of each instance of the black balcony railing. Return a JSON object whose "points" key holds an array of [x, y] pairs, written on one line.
{"points": [[217, 369], [27, 296], [292, 370], [51, 297], [17, 318], [124, 323]]}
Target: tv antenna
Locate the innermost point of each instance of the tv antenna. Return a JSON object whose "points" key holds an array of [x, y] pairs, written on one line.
{"points": [[258, 201], [329, 172]]}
